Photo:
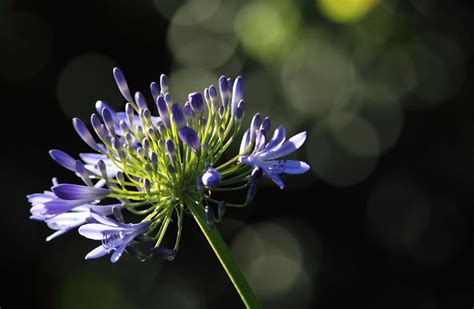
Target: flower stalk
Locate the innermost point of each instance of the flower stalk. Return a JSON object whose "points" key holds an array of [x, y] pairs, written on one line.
{"points": [[225, 257], [159, 166]]}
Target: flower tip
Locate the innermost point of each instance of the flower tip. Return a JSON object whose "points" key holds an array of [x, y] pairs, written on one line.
{"points": [[196, 101], [164, 253], [189, 137], [211, 178]]}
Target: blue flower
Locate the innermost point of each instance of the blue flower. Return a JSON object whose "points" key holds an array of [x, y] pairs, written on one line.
{"points": [[160, 167], [78, 216], [265, 156], [115, 236]]}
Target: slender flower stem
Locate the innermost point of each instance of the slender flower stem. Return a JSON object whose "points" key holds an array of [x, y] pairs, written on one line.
{"points": [[223, 254]]}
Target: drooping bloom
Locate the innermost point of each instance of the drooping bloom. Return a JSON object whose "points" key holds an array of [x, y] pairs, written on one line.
{"points": [[157, 166], [115, 236], [264, 156]]}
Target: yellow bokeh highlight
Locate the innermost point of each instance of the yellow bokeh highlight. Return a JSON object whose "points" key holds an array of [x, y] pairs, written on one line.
{"points": [[345, 11]]}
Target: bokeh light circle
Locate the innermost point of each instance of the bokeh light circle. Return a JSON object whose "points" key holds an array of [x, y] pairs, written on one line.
{"points": [[266, 29], [84, 80], [272, 259], [317, 76], [343, 11], [333, 163]]}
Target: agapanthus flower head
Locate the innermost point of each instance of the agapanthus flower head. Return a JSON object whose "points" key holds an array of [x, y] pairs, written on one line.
{"points": [[156, 166]]}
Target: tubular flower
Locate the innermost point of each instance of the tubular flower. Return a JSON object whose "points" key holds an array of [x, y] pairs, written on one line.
{"points": [[159, 167]]}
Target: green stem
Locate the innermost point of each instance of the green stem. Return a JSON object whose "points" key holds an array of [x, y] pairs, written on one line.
{"points": [[223, 254]]}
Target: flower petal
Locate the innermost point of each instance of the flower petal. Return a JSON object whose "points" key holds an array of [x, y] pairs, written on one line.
{"points": [[118, 253], [122, 84], [63, 159], [284, 149], [277, 139], [78, 192], [84, 133], [237, 93], [245, 141], [98, 252], [96, 231]]}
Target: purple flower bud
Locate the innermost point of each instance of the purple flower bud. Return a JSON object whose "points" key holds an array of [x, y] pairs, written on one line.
{"points": [[171, 169], [102, 168], [129, 111], [177, 115], [170, 149], [223, 89], [164, 253], [120, 178], [189, 137], [83, 173], [164, 83], [239, 114], [266, 124], [256, 120], [140, 100], [196, 101], [220, 210], [211, 178], [252, 191], [155, 90], [241, 105], [212, 92], [237, 93], [163, 110], [63, 159], [147, 186], [78, 192], [168, 98], [100, 105], [122, 84], [84, 133], [154, 160], [108, 120], [210, 216], [187, 111], [221, 111], [97, 125]]}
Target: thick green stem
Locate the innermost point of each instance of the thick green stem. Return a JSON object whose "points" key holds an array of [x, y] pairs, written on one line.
{"points": [[223, 254]]}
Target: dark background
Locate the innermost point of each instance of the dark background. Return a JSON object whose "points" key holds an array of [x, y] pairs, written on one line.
{"points": [[389, 228]]}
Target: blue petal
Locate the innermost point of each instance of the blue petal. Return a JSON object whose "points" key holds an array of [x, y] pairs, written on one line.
{"points": [[78, 192], [190, 138], [278, 138], [274, 176], [63, 159], [96, 253], [237, 93], [260, 140], [286, 166], [105, 220], [284, 149], [245, 141], [96, 231], [118, 253]]}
